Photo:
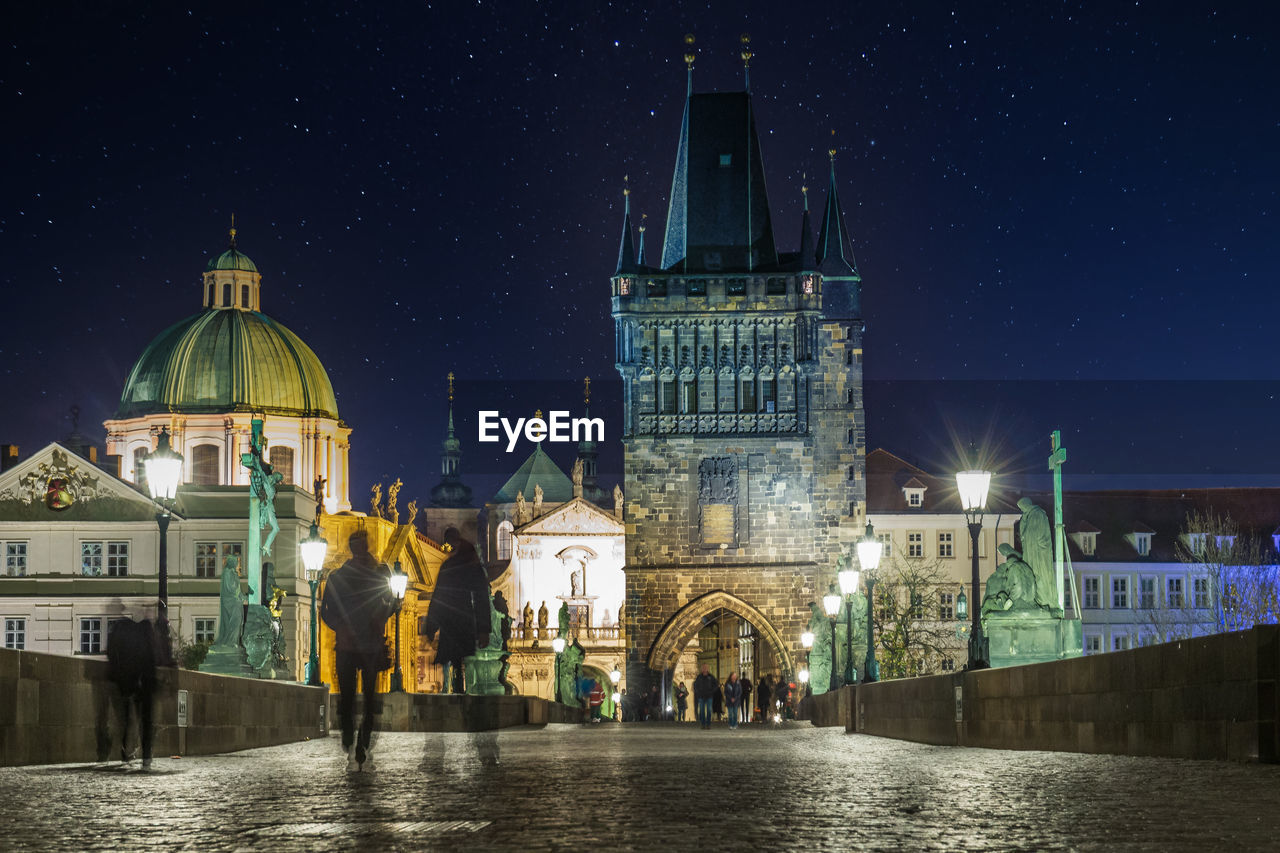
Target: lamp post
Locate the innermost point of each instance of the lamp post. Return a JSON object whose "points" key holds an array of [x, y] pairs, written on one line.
{"points": [[615, 675], [398, 582], [848, 586], [557, 645], [313, 549], [831, 604], [869, 553], [973, 486], [164, 471]]}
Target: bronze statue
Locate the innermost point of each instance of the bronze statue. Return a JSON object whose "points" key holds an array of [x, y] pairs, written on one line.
{"points": [[230, 605], [393, 495]]}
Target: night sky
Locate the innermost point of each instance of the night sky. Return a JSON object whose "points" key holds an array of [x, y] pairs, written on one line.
{"points": [[1078, 200]]}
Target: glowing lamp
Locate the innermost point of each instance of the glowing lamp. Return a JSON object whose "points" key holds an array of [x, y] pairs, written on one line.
{"points": [[558, 644], [806, 639], [848, 581], [313, 549], [163, 468], [398, 582], [831, 603], [973, 486], [869, 550]]}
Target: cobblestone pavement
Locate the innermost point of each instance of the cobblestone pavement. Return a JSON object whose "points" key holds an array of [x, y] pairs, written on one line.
{"points": [[654, 787]]}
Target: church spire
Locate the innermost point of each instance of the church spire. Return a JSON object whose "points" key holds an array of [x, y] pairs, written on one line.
{"points": [[835, 250], [450, 491], [626, 250], [689, 57], [806, 231], [640, 254], [746, 55], [233, 231], [589, 453]]}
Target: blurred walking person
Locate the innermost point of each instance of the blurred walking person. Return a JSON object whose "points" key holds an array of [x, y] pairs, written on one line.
{"points": [[705, 687], [682, 702], [733, 699]]}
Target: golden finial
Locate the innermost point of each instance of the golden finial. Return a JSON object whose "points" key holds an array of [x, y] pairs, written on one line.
{"points": [[450, 386], [643, 217], [689, 55], [626, 185], [537, 413], [746, 53], [233, 230], [586, 389], [804, 189], [831, 152]]}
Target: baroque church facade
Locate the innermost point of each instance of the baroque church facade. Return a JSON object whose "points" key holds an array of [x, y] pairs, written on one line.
{"points": [[743, 426]]}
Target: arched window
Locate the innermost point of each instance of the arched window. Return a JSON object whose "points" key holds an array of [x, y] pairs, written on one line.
{"points": [[226, 295], [210, 302], [139, 468], [204, 464], [244, 296], [281, 459], [504, 540]]}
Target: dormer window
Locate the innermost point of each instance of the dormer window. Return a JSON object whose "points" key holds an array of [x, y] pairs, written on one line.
{"points": [[726, 159], [624, 286], [913, 492], [1088, 543], [1140, 539]]}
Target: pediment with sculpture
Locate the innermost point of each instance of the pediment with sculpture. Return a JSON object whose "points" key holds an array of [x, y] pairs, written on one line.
{"points": [[578, 517]]}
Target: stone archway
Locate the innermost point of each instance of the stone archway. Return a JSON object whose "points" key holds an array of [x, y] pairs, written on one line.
{"points": [[685, 624]]}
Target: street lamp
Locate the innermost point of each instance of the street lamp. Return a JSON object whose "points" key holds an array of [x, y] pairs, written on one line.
{"points": [[869, 553], [848, 586], [614, 677], [398, 582], [831, 604], [163, 468], [973, 486], [962, 605], [313, 549], [557, 645]]}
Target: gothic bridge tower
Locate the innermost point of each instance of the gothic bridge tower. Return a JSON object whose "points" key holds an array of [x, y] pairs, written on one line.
{"points": [[743, 426]]}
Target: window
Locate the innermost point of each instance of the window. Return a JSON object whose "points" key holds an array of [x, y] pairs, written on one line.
{"points": [[948, 665], [139, 468], [204, 464], [624, 286], [91, 559], [697, 287], [1088, 543], [1201, 591], [1119, 642], [504, 540], [91, 636], [244, 296], [849, 437], [946, 544], [848, 357], [806, 285], [211, 556], [766, 395], [917, 606], [776, 287], [1147, 593], [1119, 593], [205, 629], [15, 633], [15, 559], [281, 459], [1093, 644], [1143, 543], [848, 396], [688, 397], [886, 544], [113, 555], [748, 398], [915, 544], [737, 287], [1092, 593], [946, 606], [210, 302], [226, 295], [726, 159], [915, 497], [853, 473], [1174, 596]]}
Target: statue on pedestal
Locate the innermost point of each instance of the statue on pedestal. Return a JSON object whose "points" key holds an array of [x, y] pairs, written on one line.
{"points": [[542, 621], [231, 603], [820, 656], [521, 509], [527, 620], [537, 500]]}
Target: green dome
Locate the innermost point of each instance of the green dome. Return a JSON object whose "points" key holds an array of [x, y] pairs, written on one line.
{"points": [[231, 259], [228, 361]]}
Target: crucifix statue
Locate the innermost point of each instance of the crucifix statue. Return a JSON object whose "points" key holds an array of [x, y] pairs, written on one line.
{"points": [[263, 480]]}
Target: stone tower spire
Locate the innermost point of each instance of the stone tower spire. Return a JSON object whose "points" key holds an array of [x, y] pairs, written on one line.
{"points": [[450, 491]]}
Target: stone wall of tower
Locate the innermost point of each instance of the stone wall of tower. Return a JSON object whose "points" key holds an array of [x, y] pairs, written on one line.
{"points": [[752, 505]]}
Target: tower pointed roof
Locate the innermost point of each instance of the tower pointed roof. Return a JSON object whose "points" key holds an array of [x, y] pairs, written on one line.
{"points": [[640, 255], [537, 470], [807, 259], [451, 491], [718, 217], [835, 250], [626, 250]]}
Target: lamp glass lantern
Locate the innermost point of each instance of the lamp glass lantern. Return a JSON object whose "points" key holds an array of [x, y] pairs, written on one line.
{"points": [[973, 486], [803, 675], [164, 469], [615, 676], [962, 606], [870, 550], [558, 645], [831, 603], [806, 639], [399, 582], [313, 549], [848, 581]]}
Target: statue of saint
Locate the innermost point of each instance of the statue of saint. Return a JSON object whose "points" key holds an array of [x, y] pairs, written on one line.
{"points": [[230, 605], [576, 477], [537, 500], [527, 620], [1036, 537], [503, 623], [542, 620], [820, 659], [375, 502], [563, 619], [1011, 586], [393, 495], [575, 581], [617, 501], [413, 512], [521, 509]]}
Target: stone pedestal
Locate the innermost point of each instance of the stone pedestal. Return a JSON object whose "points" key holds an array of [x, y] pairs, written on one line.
{"points": [[484, 671], [1018, 638], [226, 660]]}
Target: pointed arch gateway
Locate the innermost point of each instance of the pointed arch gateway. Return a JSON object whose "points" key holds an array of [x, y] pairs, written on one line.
{"points": [[688, 621]]}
